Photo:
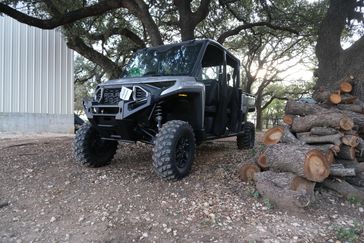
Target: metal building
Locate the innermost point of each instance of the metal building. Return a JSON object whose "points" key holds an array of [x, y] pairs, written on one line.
{"points": [[36, 79]]}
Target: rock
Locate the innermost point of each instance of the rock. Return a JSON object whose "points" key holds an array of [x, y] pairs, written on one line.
{"points": [[52, 219], [361, 210]]}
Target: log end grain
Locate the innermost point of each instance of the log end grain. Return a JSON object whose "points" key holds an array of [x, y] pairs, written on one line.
{"points": [[346, 123], [273, 135], [346, 87], [262, 161], [335, 98], [288, 119], [316, 166], [247, 171]]}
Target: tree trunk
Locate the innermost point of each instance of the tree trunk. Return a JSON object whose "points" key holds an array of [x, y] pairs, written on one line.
{"points": [[285, 190], [334, 62], [259, 112], [301, 160]]}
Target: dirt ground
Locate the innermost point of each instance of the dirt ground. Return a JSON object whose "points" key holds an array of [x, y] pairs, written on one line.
{"points": [[45, 196]]}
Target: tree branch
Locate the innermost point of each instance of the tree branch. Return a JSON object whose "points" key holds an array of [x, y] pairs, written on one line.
{"points": [[66, 18], [221, 39]]}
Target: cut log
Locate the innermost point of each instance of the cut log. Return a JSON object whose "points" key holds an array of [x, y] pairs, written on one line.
{"points": [[335, 97], [351, 107], [346, 87], [340, 170], [301, 160], [350, 140], [328, 97], [359, 167], [303, 109], [357, 180], [346, 152], [329, 151], [322, 131], [357, 118], [273, 135], [347, 99], [288, 119], [333, 120], [344, 188], [288, 137], [247, 171], [332, 139], [285, 190]]}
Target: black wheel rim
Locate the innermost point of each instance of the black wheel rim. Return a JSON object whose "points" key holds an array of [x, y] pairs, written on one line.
{"points": [[183, 152]]}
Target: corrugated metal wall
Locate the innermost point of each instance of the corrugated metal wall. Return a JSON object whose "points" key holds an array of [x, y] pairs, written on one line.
{"points": [[36, 70]]}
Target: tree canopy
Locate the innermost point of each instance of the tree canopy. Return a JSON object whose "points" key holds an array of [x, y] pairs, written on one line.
{"points": [[268, 36]]}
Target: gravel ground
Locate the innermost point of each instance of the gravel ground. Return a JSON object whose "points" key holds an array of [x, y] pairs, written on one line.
{"points": [[46, 197]]}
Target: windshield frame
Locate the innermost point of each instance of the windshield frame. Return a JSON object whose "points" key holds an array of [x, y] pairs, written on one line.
{"points": [[194, 70]]}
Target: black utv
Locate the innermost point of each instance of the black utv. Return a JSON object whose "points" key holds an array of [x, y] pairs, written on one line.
{"points": [[173, 97]]}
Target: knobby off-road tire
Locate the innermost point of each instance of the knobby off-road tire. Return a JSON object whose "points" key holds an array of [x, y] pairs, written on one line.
{"points": [[174, 150], [90, 150], [246, 139]]}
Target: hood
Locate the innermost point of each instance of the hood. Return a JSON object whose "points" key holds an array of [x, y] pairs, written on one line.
{"points": [[146, 80]]}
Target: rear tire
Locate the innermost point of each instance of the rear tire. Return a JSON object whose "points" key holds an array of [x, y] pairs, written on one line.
{"points": [[90, 150], [246, 140], [174, 150]]}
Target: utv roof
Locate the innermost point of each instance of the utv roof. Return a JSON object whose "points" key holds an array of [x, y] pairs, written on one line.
{"points": [[205, 43]]}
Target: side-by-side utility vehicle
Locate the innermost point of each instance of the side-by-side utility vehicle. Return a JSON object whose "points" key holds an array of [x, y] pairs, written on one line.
{"points": [[173, 97]]}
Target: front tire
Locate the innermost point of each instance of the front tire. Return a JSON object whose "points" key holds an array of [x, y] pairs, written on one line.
{"points": [[174, 150], [246, 140], [90, 150]]}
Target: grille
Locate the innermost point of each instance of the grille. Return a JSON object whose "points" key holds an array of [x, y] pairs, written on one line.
{"points": [[111, 96], [139, 93]]}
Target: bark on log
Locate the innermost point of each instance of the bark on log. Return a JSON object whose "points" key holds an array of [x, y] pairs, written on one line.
{"points": [[303, 109], [273, 135], [358, 167], [301, 160], [351, 107], [285, 190], [332, 119], [289, 138], [332, 139], [346, 152], [247, 171], [344, 188], [340, 170], [357, 180], [350, 140], [328, 97], [356, 117], [347, 99], [322, 131]]}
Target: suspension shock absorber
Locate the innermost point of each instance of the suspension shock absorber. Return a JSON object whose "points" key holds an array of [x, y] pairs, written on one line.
{"points": [[158, 115]]}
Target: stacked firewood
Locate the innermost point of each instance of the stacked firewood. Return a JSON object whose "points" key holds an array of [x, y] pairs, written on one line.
{"points": [[320, 142]]}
